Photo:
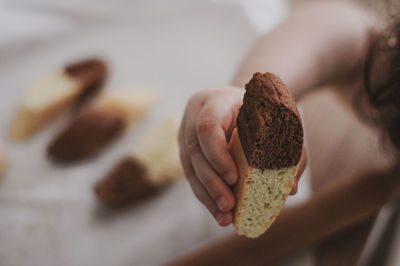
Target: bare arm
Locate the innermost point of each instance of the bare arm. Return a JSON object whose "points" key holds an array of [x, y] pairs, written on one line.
{"points": [[330, 210], [320, 43]]}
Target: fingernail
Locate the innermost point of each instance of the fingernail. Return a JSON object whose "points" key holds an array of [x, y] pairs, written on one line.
{"points": [[219, 217], [221, 202], [230, 177]]}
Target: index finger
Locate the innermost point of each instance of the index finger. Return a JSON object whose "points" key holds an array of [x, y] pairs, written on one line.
{"points": [[213, 143], [302, 166]]}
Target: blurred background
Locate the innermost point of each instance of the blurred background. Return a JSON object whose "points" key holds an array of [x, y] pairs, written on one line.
{"points": [[48, 213]]}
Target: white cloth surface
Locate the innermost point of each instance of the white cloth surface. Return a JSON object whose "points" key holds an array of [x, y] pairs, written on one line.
{"points": [[48, 213]]}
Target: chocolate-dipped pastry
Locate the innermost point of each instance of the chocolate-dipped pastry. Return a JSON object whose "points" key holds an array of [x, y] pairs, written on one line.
{"points": [[91, 72], [267, 147], [153, 164], [98, 125], [127, 182], [52, 95], [86, 135]]}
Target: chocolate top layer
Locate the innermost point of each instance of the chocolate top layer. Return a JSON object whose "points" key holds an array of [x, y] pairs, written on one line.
{"points": [[127, 182], [269, 124], [91, 72], [86, 135]]}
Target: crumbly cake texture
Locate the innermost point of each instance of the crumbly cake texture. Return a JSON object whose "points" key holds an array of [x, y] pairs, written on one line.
{"points": [[267, 147], [48, 98], [269, 124], [260, 194], [153, 164]]}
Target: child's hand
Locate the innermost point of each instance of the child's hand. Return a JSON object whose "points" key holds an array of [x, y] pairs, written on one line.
{"points": [[209, 117], [302, 166]]}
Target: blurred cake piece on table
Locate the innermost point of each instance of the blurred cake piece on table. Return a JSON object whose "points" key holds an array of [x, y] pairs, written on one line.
{"points": [[100, 123], [55, 93], [153, 164]]}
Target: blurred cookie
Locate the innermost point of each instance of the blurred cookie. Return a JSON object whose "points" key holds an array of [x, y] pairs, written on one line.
{"points": [[100, 123], [153, 164], [55, 93]]}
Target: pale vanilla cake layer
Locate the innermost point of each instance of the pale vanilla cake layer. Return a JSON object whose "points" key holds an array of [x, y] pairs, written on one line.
{"points": [[51, 89], [131, 103], [260, 193], [44, 101], [159, 152], [50, 96]]}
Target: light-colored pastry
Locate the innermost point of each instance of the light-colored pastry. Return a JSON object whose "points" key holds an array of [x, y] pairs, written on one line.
{"points": [[130, 104], [53, 94], [153, 164], [267, 146], [2, 163], [100, 123], [159, 151]]}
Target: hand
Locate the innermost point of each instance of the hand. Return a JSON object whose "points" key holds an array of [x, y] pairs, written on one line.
{"points": [[209, 118], [302, 166]]}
